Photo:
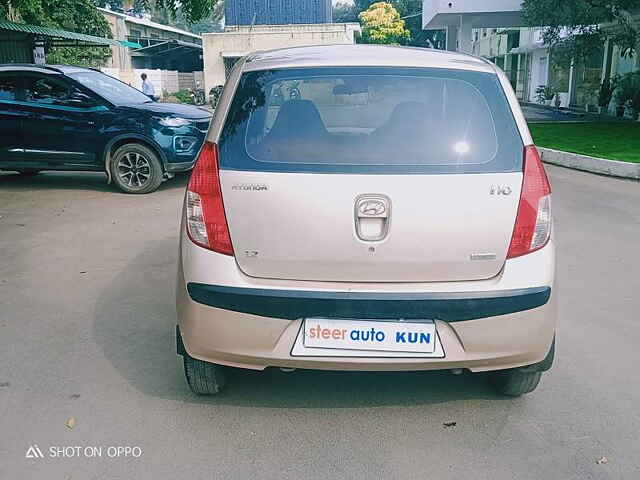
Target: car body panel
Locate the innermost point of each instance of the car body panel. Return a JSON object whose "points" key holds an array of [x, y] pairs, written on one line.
{"points": [[61, 136], [10, 132], [439, 226]]}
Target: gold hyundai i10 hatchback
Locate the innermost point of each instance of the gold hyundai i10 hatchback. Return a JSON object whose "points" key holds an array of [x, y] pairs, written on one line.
{"points": [[367, 208]]}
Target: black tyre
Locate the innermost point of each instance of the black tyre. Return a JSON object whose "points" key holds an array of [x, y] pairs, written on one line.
{"points": [[136, 169], [29, 172], [204, 378], [515, 382]]}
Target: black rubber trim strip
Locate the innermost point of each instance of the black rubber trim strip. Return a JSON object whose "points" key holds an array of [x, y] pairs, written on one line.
{"points": [[294, 304]]}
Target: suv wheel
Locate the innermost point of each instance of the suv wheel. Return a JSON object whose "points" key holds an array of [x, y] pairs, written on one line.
{"points": [[204, 378], [136, 169], [515, 382]]}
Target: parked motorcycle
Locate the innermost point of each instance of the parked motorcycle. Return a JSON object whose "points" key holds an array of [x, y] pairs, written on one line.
{"points": [[214, 95]]}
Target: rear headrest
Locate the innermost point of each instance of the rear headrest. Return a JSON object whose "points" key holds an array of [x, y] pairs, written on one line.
{"points": [[408, 113], [298, 118]]}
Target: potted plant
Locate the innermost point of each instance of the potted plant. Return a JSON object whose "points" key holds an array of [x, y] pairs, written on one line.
{"points": [[627, 88], [635, 105], [607, 88], [589, 90], [544, 94]]}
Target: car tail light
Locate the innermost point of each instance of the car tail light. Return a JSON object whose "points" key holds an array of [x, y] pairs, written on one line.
{"points": [[206, 220], [533, 222]]}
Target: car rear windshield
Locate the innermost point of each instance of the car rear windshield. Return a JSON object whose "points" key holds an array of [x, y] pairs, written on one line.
{"points": [[370, 120]]}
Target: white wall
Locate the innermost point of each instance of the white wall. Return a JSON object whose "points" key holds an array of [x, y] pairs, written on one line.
{"points": [[240, 41], [163, 80], [539, 71]]}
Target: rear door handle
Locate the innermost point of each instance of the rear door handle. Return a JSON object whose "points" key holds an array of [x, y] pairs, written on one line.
{"points": [[372, 217]]}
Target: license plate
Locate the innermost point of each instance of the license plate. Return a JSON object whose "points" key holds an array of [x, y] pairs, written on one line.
{"points": [[411, 337]]}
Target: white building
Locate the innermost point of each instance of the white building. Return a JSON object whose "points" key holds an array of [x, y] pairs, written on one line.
{"points": [[222, 50], [494, 29], [460, 17], [163, 47], [523, 56]]}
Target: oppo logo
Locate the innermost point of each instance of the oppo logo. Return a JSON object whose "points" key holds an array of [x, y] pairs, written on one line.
{"points": [[500, 190]]}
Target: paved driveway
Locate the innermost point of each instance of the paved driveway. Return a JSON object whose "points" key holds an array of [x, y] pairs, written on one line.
{"points": [[535, 113], [86, 331]]}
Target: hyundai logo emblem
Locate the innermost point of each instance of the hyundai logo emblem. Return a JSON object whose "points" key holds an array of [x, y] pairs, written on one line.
{"points": [[372, 208]]}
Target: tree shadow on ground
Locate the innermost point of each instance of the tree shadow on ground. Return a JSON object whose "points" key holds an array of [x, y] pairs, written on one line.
{"points": [[89, 181]]}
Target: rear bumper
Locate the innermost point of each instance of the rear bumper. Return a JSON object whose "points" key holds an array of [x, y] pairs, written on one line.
{"points": [[251, 341], [295, 304], [228, 318]]}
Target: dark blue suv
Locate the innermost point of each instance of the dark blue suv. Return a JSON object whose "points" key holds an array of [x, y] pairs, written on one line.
{"points": [[73, 118]]}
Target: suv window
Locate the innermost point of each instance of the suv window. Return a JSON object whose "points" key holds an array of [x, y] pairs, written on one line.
{"points": [[9, 85], [53, 91], [371, 120], [109, 88]]}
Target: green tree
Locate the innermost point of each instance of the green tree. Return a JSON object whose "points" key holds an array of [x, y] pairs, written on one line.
{"points": [[211, 23], [574, 27], [409, 10], [191, 10], [381, 23], [74, 15], [345, 13]]}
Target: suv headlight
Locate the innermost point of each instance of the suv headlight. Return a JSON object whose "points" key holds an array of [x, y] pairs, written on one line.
{"points": [[174, 122]]}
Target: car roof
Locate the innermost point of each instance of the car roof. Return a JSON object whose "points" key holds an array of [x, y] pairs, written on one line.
{"points": [[364, 56], [46, 69]]}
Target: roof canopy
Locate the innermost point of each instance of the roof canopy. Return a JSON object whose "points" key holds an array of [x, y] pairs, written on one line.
{"points": [[155, 47], [63, 38], [439, 14]]}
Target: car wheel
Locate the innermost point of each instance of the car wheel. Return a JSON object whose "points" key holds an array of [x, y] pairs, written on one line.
{"points": [[136, 169], [515, 382], [204, 378], [29, 172]]}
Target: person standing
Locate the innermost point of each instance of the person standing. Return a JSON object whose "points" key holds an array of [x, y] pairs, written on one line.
{"points": [[147, 87]]}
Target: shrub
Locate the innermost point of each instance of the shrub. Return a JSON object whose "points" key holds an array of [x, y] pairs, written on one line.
{"points": [[635, 103], [606, 91], [628, 86], [544, 93], [184, 96]]}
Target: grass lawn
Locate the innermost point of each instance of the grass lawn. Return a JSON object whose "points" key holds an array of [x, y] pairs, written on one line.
{"points": [[615, 141]]}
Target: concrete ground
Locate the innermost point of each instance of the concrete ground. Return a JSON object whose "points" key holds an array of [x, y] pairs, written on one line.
{"points": [[87, 332]]}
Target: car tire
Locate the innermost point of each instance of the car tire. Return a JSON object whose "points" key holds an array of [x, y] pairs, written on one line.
{"points": [[136, 169], [515, 382], [204, 378], [29, 172]]}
